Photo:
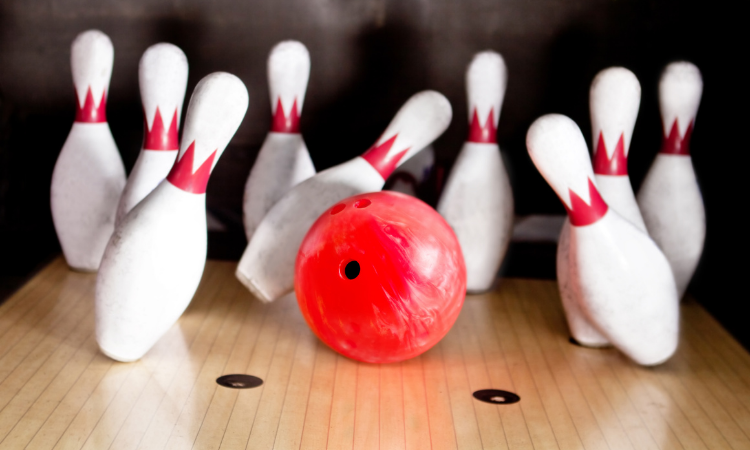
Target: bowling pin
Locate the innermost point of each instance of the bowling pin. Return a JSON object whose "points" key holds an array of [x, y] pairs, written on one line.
{"points": [[267, 265], [162, 75], [89, 175], [670, 198], [623, 281], [155, 259], [410, 175], [283, 160], [614, 99], [477, 200]]}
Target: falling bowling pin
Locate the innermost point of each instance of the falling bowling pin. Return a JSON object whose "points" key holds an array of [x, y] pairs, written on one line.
{"points": [[614, 99], [162, 75], [670, 198], [477, 200], [155, 259], [283, 160], [89, 175], [267, 265], [622, 280]]}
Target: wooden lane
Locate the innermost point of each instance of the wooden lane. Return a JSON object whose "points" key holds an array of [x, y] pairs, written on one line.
{"points": [[58, 392]]}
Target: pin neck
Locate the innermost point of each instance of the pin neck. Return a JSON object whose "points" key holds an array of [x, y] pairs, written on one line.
{"points": [[379, 159], [285, 123], [676, 145], [617, 164], [90, 112], [582, 213], [182, 176], [159, 137], [483, 134]]}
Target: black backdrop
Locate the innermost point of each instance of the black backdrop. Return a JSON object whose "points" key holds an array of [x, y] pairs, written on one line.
{"points": [[368, 57]]}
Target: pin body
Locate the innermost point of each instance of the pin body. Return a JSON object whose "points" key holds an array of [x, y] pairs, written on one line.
{"points": [[150, 271], [163, 72], [620, 279], [89, 175], [614, 99], [154, 261], [267, 265], [477, 201], [626, 288], [670, 198], [283, 160]]}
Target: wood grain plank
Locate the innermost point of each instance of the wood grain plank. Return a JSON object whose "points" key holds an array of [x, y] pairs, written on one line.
{"points": [[57, 390], [416, 414], [341, 426], [392, 434], [488, 418], [318, 414], [559, 416], [499, 377], [367, 408]]}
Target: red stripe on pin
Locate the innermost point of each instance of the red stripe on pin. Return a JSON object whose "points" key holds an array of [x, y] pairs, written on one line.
{"points": [[378, 158], [159, 137], [283, 123], [617, 164], [183, 177], [582, 213], [486, 134], [673, 144], [90, 113]]}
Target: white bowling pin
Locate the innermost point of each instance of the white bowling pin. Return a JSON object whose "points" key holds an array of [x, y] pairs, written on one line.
{"points": [[411, 174], [283, 160], [267, 266], [162, 75], [477, 200], [155, 259], [670, 198], [614, 99], [622, 280], [89, 175]]}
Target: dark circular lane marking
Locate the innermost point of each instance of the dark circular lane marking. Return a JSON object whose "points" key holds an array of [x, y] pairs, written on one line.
{"points": [[239, 381], [496, 396]]}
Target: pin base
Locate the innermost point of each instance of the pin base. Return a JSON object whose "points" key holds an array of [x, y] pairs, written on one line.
{"points": [[257, 293], [573, 341], [117, 357]]}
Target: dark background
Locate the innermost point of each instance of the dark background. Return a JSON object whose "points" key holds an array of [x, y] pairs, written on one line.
{"points": [[368, 57]]}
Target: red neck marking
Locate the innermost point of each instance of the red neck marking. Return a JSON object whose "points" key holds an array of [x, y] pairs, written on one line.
{"points": [[90, 113], [617, 164], [283, 123], [581, 213], [486, 134], [158, 137], [673, 144], [183, 177], [377, 157]]}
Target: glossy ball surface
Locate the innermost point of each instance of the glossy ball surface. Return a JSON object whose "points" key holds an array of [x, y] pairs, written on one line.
{"points": [[380, 277]]}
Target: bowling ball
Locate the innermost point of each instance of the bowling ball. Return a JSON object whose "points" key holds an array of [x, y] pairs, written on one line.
{"points": [[380, 277]]}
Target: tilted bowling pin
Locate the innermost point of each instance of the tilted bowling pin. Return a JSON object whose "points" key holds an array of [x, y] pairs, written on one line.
{"points": [[89, 175], [162, 75], [155, 259], [283, 160], [670, 198], [614, 99], [409, 176], [477, 200], [622, 280], [267, 266]]}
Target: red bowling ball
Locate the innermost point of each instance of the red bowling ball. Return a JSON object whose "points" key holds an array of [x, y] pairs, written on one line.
{"points": [[380, 277]]}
